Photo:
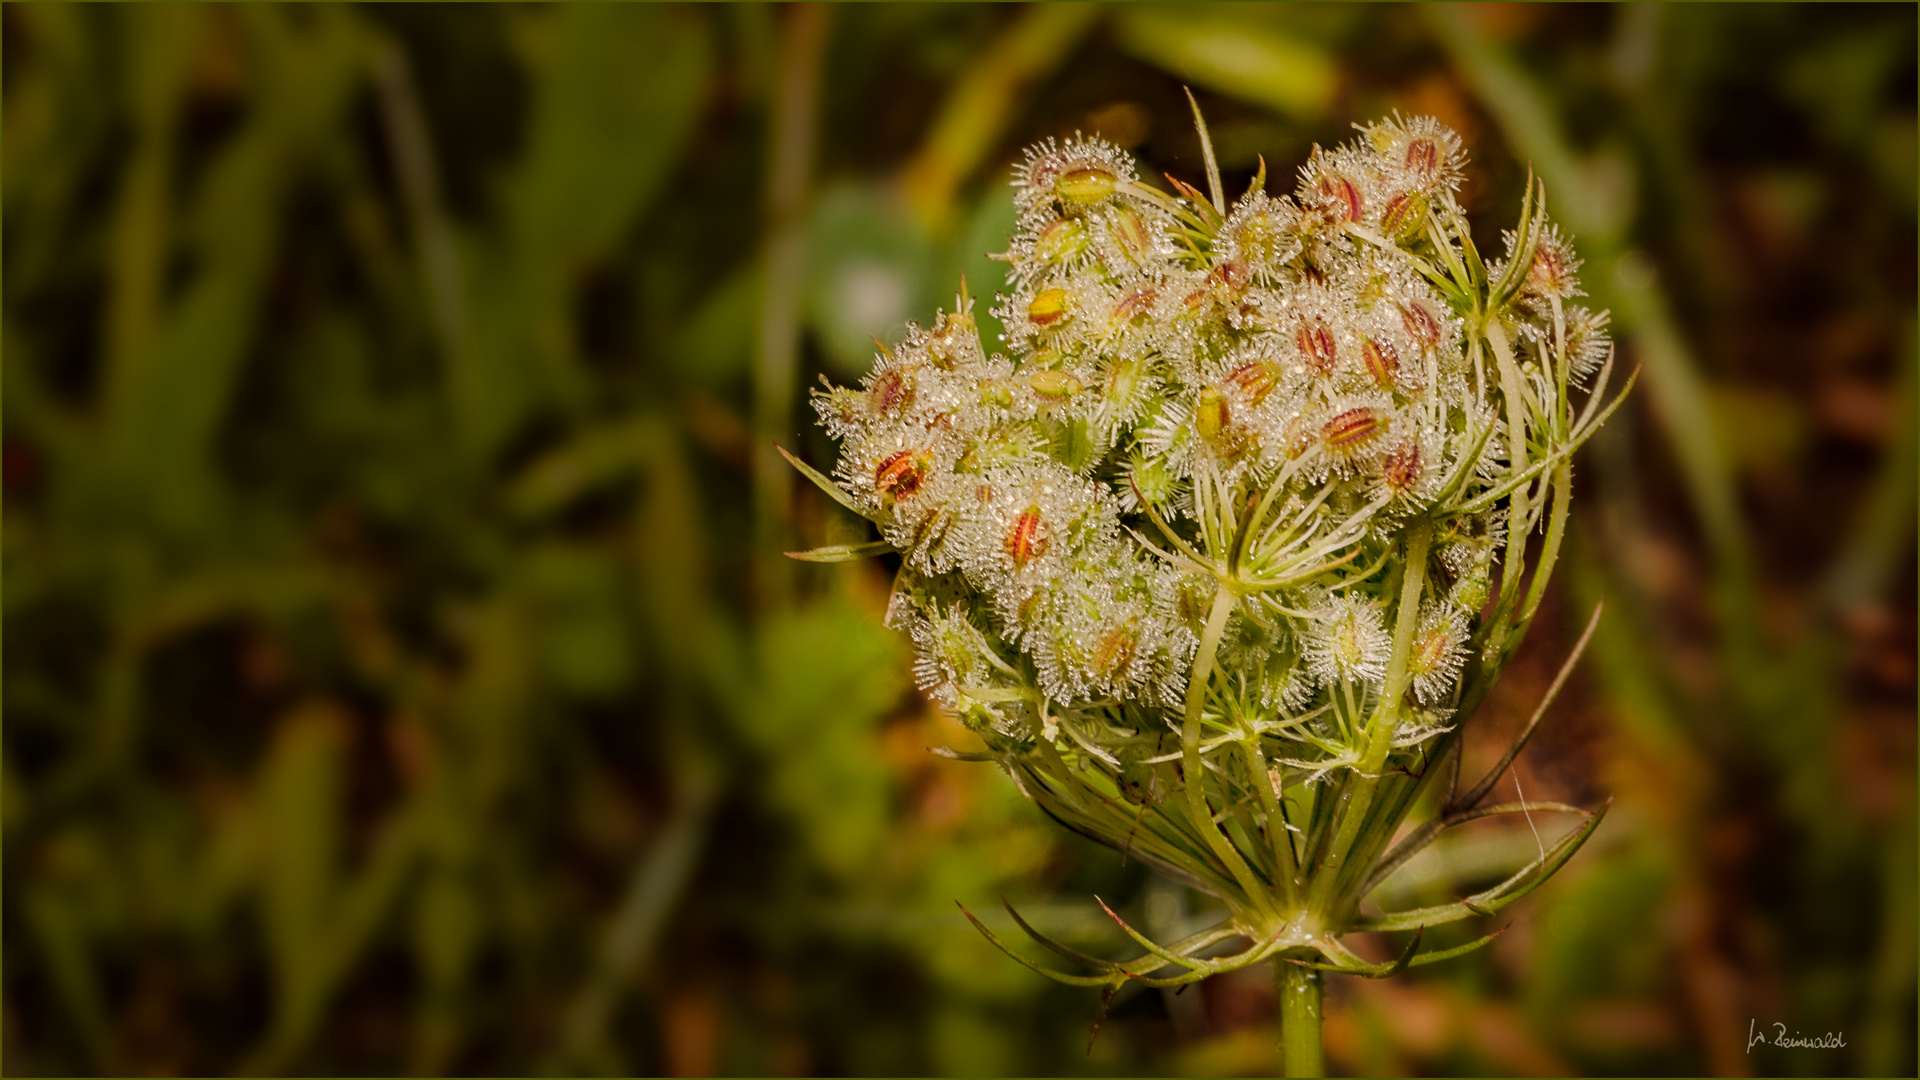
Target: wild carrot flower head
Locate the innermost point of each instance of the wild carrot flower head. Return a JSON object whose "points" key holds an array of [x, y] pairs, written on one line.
{"points": [[1243, 487]]}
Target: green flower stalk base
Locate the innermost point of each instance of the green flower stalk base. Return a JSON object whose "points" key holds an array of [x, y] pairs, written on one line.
{"points": [[1223, 551], [1299, 1019]]}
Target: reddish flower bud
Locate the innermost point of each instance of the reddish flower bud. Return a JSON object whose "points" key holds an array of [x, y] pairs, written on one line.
{"points": [[1254, 381], [1190, 606], [1383, 363], [1550, 272], [1423, 156], [901, 474], [1115, 651], [892, 390], [1422, 326], [1134, 305], [1354, 428], [1027, 540], [1232, 275], [1401, 470], [930, 533], [1340, 198], [1316, 346]]}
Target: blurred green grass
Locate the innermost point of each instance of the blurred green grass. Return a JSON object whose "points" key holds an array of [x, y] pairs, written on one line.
{"points": [[401, 679]]}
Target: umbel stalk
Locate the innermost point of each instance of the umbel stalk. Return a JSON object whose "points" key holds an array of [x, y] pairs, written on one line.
{"points": [[1299, 1019]]}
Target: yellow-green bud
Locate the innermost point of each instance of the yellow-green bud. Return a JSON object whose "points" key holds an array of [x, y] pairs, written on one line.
{"points": [[1084, 185], [1061, 241], [1054, 385], [1047, 307]]}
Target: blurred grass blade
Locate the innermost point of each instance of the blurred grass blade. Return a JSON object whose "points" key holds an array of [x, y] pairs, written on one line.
{"points": [[594, 458], [659, 878], [793, 131], [982, 100], [1238, 55], [300, 806]]}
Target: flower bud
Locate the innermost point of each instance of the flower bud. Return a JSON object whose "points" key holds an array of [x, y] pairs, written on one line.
{"points": [[1339, 197], [1130, 232], [901, 474], [931, 531], [1401, 470], [1190, 603], [1231, 276], [1123, 378], [1115, 651], [1054, 385], [1134, 306], [1475, 587], [1316, 346], [1047, 307], [1213, 419], [1421, 324], [1433, 664], [1087, 184], [1383, 363], [1423, 157], [1149, 482], [1551, 272], [1027, 540], [1062, 241], [1354, 428], [1212, 415], [892, 391], [1254, 381], [1405, 216], [1260, 239]]}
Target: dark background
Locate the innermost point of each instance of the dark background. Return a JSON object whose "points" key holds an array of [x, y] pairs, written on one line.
{"points": [[400, 674]]}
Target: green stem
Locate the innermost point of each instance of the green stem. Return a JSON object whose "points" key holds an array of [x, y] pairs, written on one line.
{"points": [[1357, 799], [1299, 1019], [1562, 483], [794, 133], [1285, 870], [1196, 773]]}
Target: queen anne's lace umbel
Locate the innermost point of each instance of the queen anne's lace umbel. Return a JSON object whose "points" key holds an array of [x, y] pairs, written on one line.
{"points": [[1175, 522]]}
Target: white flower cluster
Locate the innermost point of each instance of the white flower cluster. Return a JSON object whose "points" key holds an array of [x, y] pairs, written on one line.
{"points": [[1262, 396]]}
